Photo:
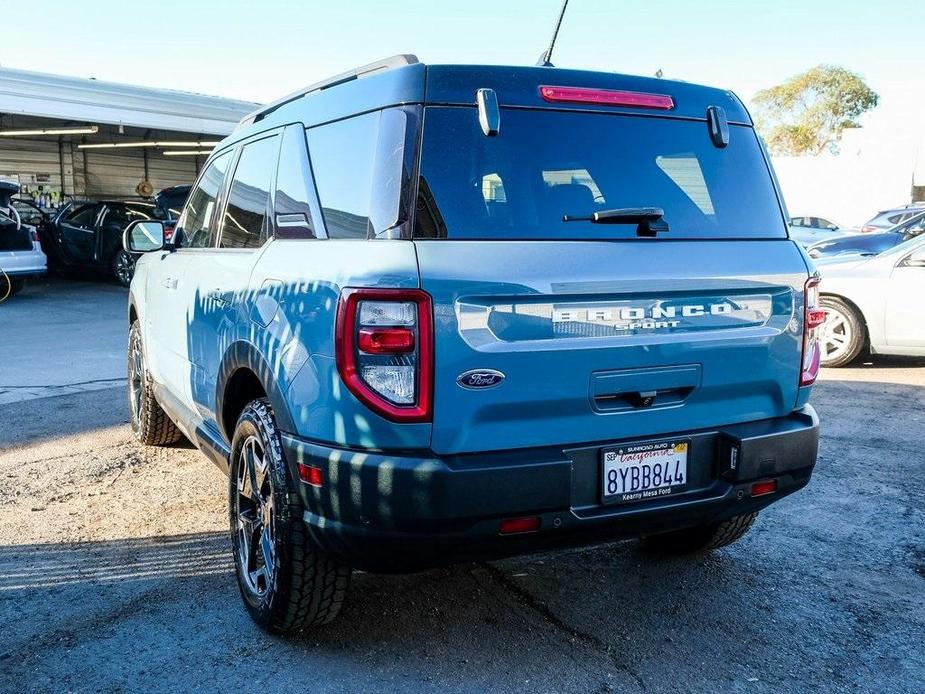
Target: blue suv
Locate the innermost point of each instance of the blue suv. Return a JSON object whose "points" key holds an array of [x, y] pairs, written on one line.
{"points": [[427, 314]]}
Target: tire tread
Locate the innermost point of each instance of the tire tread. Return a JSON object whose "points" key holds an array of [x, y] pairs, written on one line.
{"points": [[702, 538], [155, 428], [315, 586]]}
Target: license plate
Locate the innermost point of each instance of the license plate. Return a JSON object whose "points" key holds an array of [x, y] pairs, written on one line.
{"points": [[644, 470]]}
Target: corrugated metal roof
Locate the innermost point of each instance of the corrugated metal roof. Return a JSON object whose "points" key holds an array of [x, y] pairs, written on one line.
{"points": [[95, 101]]}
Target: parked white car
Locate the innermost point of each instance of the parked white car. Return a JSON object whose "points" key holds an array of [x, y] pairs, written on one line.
{"points": [[873, 301], [21, 254]]}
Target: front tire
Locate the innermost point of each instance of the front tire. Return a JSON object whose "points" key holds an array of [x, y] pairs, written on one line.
{"points": [[150, 424], [842, 335], [287, 582], [701, 538]]}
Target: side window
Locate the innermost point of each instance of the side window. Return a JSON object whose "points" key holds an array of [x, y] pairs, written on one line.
{"points": [[363, 172], [343, 158], [121, 215], [293, 186], [196, 220], [246, 223], [83, 216]]}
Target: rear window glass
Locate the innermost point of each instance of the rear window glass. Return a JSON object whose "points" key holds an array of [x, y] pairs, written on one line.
{"points": [[545, 164]]}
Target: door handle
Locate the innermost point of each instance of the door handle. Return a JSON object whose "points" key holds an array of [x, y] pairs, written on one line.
{"points": [[297, 219]]}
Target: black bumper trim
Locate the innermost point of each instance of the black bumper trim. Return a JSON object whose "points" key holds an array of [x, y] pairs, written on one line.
{"points": [[393, 512]]}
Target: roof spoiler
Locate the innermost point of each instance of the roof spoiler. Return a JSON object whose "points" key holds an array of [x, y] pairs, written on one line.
{"points": [[390, 63]]}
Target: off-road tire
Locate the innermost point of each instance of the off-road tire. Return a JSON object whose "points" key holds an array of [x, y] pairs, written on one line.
{"points": [[150, 424], [701, 538], [308, 586], [856, 325]]}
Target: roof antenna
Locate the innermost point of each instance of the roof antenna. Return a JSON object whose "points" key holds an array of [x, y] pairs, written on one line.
{"points": [[546, 59]]}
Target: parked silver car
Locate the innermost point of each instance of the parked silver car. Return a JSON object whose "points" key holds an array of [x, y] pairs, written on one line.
{"points": [[873, 301], [807, 236]]}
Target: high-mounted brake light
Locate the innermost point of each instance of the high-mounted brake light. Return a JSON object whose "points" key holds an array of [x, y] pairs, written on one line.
{"points": [[813, 318], [610, 97], [384, 350]]}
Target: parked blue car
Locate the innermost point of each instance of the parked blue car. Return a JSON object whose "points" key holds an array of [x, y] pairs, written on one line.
{"points": [[425, 314]]}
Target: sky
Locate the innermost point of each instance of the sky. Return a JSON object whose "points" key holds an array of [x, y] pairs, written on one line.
{"points": [[259, 51]]}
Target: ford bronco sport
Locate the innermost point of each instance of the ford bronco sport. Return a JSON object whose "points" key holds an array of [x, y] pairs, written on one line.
{"points": [[425, 314]]}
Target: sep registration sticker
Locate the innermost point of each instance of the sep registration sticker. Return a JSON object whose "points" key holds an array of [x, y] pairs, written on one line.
{"points": [[641, 471]]}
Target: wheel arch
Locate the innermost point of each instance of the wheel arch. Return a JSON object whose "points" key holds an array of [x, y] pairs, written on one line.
{"points": [[244, 375]]}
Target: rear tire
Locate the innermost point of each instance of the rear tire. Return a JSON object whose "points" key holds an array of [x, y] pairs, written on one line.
{"points": [[842, 335], [701, 538], [287, 582], [150, 424]]}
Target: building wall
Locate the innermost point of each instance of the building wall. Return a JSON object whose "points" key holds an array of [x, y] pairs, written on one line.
{"points": [[37, 162], [870, 173]]}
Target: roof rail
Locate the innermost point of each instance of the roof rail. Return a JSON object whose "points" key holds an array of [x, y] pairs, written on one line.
{"points": [[356, 73]]}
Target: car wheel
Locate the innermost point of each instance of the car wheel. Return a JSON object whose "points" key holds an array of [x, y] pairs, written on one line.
{"points": [[842, 335], [150, 424], [701, 538], [287, 582], [12, 286], [123, 267]]}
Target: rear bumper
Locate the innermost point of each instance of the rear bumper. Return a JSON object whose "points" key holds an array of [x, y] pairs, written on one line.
{"points": [[383, 512], [23, 263]]}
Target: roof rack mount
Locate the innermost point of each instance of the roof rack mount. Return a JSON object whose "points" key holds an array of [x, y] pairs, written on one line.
{"points": [[389, 63]]}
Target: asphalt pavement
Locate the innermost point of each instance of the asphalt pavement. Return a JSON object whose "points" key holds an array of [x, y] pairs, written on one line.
{"points": [[115, 572]]}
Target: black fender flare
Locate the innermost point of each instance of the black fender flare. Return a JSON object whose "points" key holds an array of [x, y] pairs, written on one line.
{"points": [[245, 355]]}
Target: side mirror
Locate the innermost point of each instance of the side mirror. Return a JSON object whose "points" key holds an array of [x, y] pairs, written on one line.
{"points": [[143, 236], [832, 227]]}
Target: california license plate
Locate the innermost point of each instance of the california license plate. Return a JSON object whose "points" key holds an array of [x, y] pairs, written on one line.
{"points": [[644, 470]]}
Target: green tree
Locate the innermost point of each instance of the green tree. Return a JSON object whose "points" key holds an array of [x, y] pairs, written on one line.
{"points": [[807, 113]]}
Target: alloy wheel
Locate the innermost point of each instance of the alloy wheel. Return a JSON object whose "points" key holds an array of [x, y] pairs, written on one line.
{"points": [[836, 335], [254, 517], [124, 267], [136, 382]]}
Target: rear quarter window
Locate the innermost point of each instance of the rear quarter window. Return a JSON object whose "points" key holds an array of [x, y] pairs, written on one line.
{"points": [[547, 163]]}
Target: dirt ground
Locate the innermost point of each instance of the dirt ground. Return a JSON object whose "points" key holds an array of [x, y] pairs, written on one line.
{"points": [[115, 575]]}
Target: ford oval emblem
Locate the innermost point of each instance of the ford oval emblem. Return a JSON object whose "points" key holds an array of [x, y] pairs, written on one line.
{"points": [[480, 378]]}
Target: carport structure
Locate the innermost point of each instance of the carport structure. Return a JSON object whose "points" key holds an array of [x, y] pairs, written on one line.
{"points": [[67, 136]]}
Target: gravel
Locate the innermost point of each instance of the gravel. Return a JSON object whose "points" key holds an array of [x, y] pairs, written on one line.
{"points": [[115, 575]]}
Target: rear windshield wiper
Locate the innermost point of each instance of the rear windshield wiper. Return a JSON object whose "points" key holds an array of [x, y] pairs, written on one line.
{"points": [[649, 220]]}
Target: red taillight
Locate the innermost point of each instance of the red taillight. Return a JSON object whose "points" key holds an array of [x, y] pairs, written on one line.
{"points": [[813, 318], [764, 487], [311, 475], [384, 350], [610, 97], [386, 340], [511, 526]]}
